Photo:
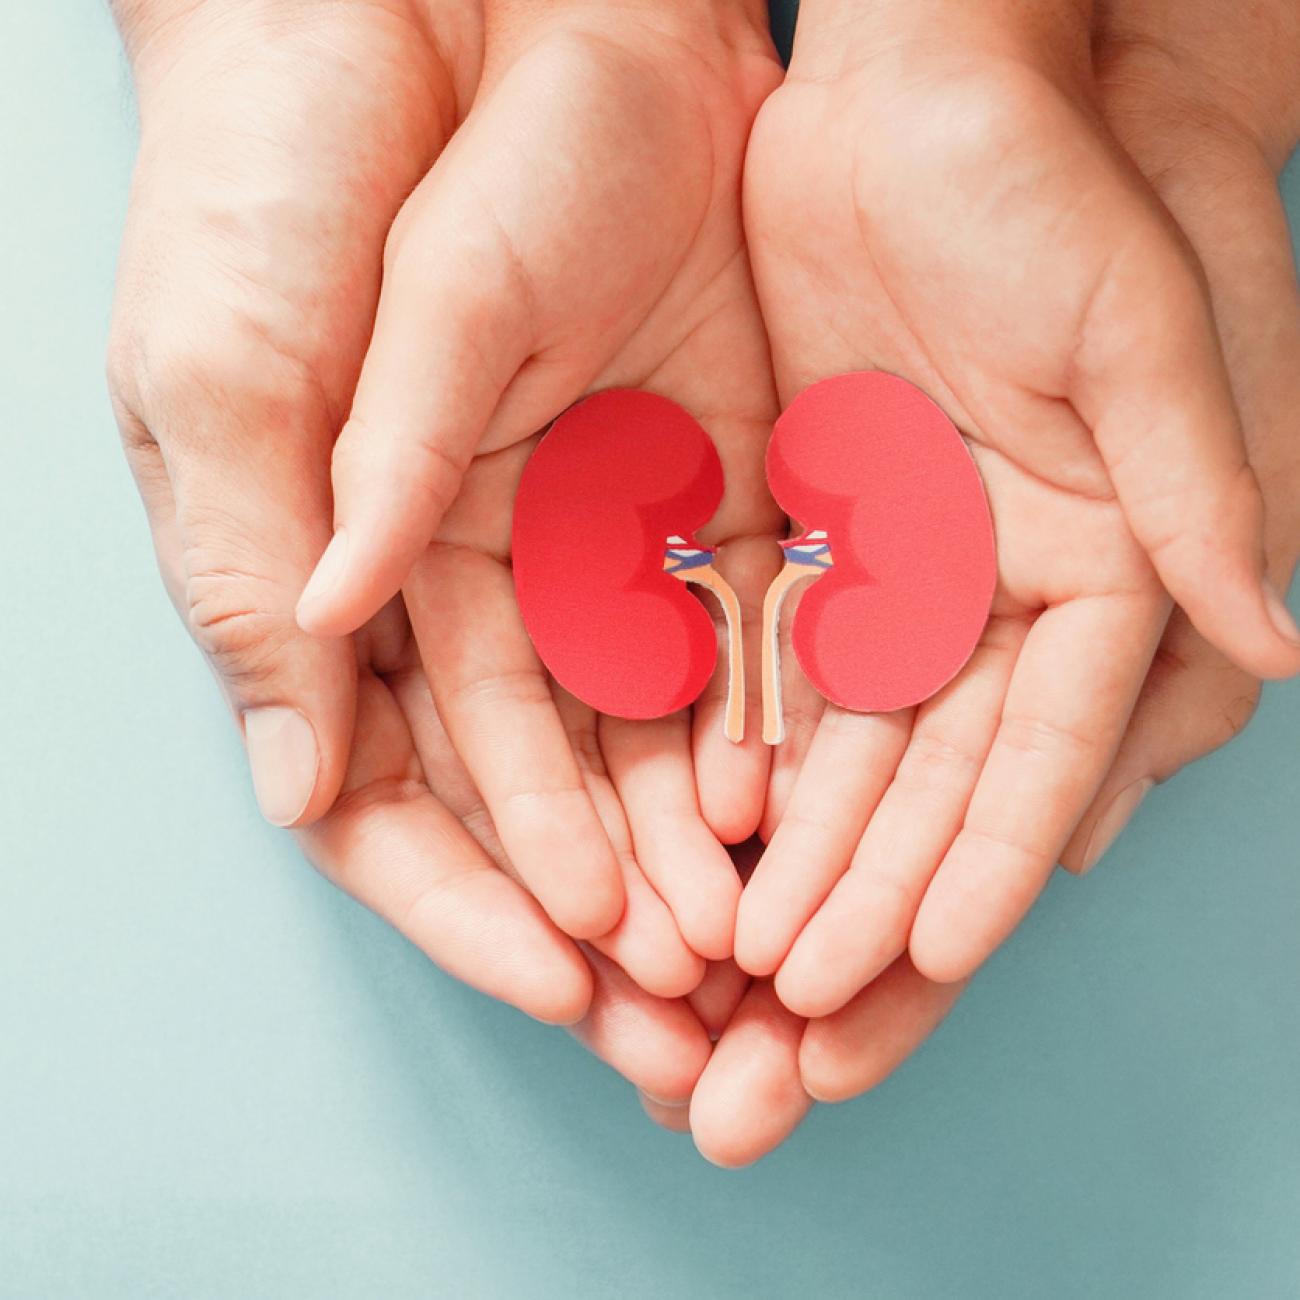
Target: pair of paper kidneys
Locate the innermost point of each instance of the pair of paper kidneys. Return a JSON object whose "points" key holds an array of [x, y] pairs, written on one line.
{"points": [[897, 535]]}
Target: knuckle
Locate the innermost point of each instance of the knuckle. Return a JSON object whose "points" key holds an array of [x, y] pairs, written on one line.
{"points": [[1229, 720], [1044, 739], [932, 763], [522, 688], [235, 370], [233, 616]]}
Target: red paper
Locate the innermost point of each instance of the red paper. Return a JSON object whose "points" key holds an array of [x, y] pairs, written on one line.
{"points": [[871, 460], [616, 476]]}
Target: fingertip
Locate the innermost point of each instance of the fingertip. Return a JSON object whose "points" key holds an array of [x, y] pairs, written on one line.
{"points": [[285, 761], [731, 817], [591, 910], [348, 588], [802, 989], [718, 1123], [673, 976], [563, 1000], [756, 952], [824, 1069], [1284, 624], [1232, 602], [319, 595], [940, 952], [673, 1117], [710, 928]]}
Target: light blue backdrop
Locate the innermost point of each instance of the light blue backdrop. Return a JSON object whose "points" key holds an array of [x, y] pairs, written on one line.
{"points": [[219, 1078]]}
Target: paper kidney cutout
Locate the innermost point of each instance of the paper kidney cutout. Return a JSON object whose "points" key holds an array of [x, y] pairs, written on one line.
{"points": [[899, 540], [603, 546]]}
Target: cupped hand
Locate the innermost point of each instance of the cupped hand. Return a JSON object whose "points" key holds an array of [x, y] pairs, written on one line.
{"points": [[884, 220], [582, 231], [948, 212], [275, 151], [1170, 84], [277, 144]]}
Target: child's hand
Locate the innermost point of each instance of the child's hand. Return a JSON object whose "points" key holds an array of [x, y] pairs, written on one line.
{"points": [[957, 215], [1168, 79], [932, 191], [581, 231]]}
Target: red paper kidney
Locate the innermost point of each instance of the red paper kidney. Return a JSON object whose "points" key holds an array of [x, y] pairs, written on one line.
{"points": [[615, 477], [873, 462]]}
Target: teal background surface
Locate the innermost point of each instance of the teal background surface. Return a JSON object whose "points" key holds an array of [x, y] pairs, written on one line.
{"points": [[219, 1078]]}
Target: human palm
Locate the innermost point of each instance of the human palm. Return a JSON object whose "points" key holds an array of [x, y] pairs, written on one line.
{"points": [[1212, 155], [512, 287], [942, 266]]}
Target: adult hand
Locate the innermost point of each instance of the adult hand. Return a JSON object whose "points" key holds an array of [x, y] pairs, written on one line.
{"points": [[581, 231], [277, 144]]}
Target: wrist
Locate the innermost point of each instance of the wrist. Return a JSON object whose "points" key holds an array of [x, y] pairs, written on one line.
{"points": [[739, 24], [834, 37], [1186, 64]]}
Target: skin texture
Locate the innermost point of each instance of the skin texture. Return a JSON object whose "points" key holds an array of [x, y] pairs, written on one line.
{"points": [[248, 287], [539, 284], [1170, 85], [971, 186], [250, 304]]}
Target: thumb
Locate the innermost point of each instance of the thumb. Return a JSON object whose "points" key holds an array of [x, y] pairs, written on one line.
{"points": [[449, 336], [238, 499], [1151, 381], [1193, 702]]}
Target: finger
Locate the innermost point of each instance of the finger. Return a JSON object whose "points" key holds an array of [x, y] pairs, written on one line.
{"points": [[717, 996], [675, 1118], [1193, 701], [732, 778], [802, 709], [494, 699], [864, 924], [848, 767], [750, 1098], [391, 845], [1150, 379], [1074, 686], [624, 1009], [237, 494], [450, 333], [864, 1042], [646, 942], [650, 764], [655, 1043]]}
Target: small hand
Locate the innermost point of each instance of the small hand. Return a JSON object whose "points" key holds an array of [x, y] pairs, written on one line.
{"points": [[512, 286], [876, 246], [1211, 147]]}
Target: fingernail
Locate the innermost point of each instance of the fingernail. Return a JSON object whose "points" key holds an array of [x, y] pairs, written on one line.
{"points": [[327, 574], [283, 755], [1113, 820], [660, 1101], [1281, 616]]}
